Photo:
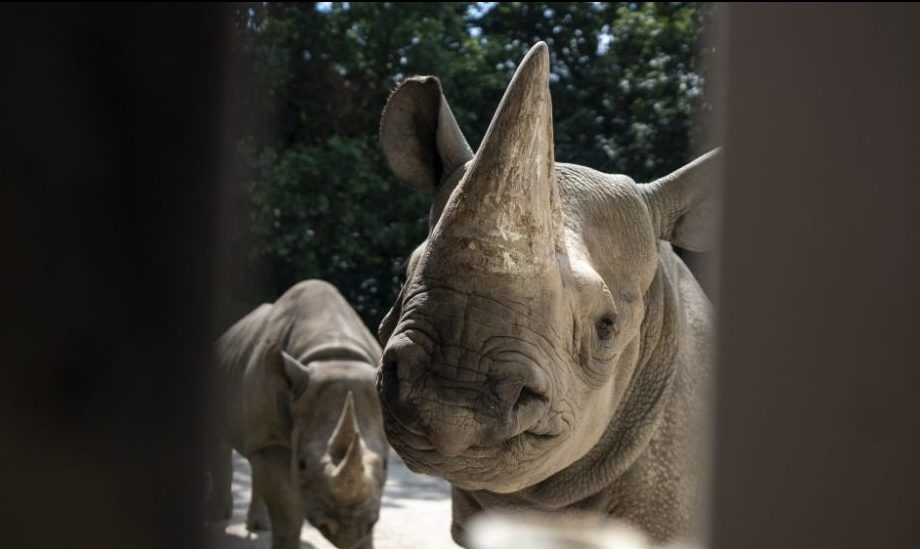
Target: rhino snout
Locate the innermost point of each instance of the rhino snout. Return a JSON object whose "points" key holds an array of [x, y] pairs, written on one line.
{"points": [[452, 409]]}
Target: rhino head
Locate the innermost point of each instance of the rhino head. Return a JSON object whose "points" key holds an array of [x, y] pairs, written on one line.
{"points": [[521, 322], [339, 463]]}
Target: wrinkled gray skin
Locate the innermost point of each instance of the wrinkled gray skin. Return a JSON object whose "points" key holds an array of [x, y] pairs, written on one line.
{"points": [[548, 348], [296, 396]]}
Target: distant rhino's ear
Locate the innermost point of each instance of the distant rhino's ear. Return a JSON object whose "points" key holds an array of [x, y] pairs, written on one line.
{"points": [[681, 203], [296, 373], [420, 136]]}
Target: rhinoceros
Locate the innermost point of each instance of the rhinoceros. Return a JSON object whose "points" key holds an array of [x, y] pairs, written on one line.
{"points": [[548, 349], [296, 396]]}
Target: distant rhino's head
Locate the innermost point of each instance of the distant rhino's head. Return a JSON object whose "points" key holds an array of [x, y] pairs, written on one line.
{"points": [[339, 455], [519, 327]]}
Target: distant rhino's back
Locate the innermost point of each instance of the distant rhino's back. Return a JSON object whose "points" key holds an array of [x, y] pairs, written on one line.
{"points": [[313, 311], [235, 346]]}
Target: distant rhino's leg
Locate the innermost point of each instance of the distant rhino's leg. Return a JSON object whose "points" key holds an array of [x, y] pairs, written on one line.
{"points": [[271, 473], [257, 516], [219, 503], [463, 507]]}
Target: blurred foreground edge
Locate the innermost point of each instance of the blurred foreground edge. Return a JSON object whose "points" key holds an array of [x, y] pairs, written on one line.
{"points": [[817, 439], [112, 126], [562, 530]]}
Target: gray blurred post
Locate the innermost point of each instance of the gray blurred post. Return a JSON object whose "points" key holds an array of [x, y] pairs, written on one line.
{"points": [[818, 409]]}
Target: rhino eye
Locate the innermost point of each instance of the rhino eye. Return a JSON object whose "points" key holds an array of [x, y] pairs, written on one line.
{"points": [[302, 464], [604, 328]]}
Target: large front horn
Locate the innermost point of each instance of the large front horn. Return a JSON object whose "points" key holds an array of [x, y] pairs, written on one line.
{"points": [[504, 215]]}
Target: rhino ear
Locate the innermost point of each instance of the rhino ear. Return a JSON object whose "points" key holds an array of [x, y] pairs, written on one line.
{"points": [[681, 203], [297, 374], [420, 137]]}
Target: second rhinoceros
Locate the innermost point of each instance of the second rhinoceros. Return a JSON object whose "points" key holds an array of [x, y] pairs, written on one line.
{"points": [[296, 396], [548, 348]]}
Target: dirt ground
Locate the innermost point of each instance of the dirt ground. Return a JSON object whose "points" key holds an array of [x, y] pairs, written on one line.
{"points": [[415, 513]]}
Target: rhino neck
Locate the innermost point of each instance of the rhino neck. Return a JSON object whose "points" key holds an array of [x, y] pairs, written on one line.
{"points": [[334, 346], [638, 416]]}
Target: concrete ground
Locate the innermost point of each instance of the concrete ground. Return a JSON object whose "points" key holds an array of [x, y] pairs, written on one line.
{"points": [[415, 513]]}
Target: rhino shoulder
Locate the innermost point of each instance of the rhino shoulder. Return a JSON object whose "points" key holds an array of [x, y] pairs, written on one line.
{"points": [[694, 309], [321, 314]]}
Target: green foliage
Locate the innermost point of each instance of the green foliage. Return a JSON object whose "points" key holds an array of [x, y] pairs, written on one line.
{"points": [[625, 81], [626, 87]]}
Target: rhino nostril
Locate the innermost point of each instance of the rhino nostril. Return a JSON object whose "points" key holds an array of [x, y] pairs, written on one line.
{"points": [[404, 359], [527, 396]]}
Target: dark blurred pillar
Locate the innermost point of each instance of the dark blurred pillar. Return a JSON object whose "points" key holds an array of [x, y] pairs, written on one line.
{"points": [[818, 410], [110, 124]]}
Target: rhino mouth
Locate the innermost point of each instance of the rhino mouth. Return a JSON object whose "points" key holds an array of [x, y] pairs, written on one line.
{"points": [[477, 465]]}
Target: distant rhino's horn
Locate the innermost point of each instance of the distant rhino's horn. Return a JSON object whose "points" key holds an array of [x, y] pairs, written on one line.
{"points": [[505, 211], [349, 473], [346, 430]]}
